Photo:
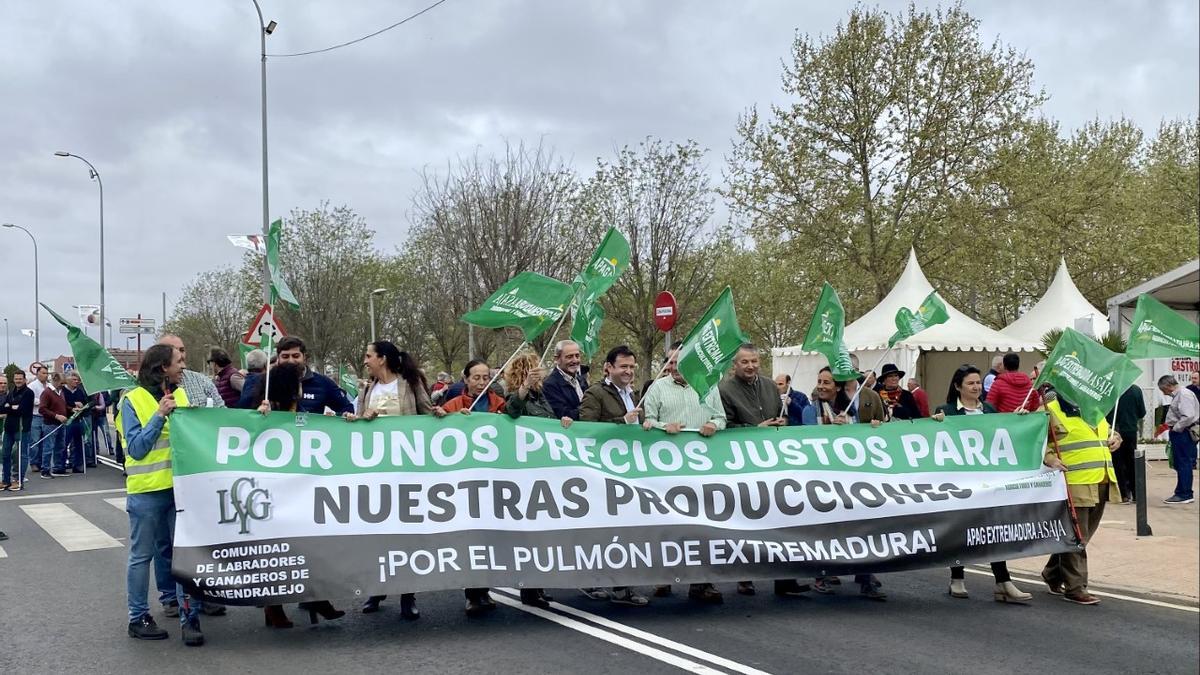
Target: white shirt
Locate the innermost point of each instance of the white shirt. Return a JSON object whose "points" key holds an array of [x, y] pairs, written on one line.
{"points": [[384, 396], [37, 388], [626, 394]]}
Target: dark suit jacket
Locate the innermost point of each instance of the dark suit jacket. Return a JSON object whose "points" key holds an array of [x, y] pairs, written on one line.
{"points": [[602, 403], [560, 394]]}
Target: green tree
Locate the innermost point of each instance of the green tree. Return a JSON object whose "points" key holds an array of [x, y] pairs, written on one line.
{"points": [[893, 122]]}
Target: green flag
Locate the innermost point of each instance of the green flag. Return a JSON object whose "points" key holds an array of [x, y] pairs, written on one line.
{"points": [[529, 301], [1088, 375], [279, 287], [931, 312], [98, 370], [709, 349], [825, 335], [1160, 331], [348, 381], [586, 329], [607, 263], [243, 350]]}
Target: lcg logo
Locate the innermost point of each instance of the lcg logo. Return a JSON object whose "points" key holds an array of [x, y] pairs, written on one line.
{"points": [[246, 501]]}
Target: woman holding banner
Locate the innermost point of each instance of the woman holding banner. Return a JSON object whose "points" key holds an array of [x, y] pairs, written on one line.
{"points": [[395, 387], [524, 380], [963, 398], [283, 394], [832, 405]]}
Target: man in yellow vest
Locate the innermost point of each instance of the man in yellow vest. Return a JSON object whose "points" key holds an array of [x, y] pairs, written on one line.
{"points": [[145, 431], [1085, 452]]}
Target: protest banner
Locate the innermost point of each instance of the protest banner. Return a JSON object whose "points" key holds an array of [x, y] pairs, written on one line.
{"points": [[281, 508]]}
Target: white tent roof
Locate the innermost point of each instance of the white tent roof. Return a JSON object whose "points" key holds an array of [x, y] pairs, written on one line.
{"points": [[960, 333], [1059, 308]]}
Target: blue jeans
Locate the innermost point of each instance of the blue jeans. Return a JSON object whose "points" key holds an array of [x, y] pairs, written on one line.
{"points": [[151, 532], [1183, 455], [100, 431], [74, 445], [36, 431], [54, 456], [19, 439]]}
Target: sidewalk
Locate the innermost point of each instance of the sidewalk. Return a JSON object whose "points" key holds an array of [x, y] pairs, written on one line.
{"points": [[1166, 564]]}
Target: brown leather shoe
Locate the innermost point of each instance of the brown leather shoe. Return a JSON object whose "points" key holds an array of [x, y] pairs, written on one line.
{"points": [[663, 591], [705, 593], [1081, 598]]}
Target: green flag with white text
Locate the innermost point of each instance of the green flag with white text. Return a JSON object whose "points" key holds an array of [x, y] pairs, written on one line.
{"points": [[348, 382], [602, 271], [586, 329], [279, 287], [825, 335], [98, 370], [711, 345], [529, 301], [1160, 331], [931, 312], [1087, 375]]}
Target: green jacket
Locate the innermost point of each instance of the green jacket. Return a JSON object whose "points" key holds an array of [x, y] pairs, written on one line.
{"points": [[602, 403], [533, 405]]}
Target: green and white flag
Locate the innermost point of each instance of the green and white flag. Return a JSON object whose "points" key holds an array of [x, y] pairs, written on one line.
{"points": [[1160, 331], [825, 335], [931, 312], [529, 301], [279, 287], [1088, 375], [98, 370], [243, 350], [709, 349], [348, 382], [608, 262], [586, 329]]}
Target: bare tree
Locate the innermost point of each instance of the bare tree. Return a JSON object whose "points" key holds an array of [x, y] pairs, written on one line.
{"points": [[213, 310]]}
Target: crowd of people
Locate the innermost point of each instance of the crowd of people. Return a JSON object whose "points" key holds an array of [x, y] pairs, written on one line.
{"points": [[1097, 460]]}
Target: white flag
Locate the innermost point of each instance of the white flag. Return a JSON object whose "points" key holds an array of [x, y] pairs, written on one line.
{"points": [[89, 315], [253, 242], [28, 332]]}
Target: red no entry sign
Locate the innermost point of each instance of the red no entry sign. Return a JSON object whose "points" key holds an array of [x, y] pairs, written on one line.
{"points": [[666, 312]]}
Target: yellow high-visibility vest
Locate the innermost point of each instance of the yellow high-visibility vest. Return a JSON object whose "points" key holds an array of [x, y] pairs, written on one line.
{"points": [[1083, 449], [152, 472]]}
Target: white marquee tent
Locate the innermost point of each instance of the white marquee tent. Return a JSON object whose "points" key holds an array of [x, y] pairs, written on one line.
{"points": [[931, 356], [1062, 306]]}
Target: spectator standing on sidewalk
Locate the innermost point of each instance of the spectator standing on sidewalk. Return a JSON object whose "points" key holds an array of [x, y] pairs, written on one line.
{"points": [[1183, 418]]}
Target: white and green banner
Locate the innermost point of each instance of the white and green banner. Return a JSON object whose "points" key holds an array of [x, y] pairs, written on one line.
{"points": [[284, 508]]}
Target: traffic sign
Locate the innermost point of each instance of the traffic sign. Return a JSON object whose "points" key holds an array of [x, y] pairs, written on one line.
{"points": [[264, 324], [137, 326], [666, 312]]}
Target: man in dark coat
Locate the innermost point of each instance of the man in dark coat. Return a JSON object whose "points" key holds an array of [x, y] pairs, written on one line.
{"points": [[565, 385]]}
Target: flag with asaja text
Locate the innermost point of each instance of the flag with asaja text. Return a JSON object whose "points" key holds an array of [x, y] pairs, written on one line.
{"points": [[931, 312], [825, 335], [709, 349], [529, 301], [1091, 377], [1160, 331]]}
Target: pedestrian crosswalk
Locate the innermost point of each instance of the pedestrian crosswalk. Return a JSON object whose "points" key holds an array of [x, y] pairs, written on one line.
{"points": [[72, 531]]}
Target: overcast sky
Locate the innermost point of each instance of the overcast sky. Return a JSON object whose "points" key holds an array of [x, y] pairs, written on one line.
{"points": [[163, 97]]}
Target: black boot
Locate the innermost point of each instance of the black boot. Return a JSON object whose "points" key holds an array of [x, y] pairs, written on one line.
{"points": [[408, 607], [144, 628], [372, 604], [191, 634]]}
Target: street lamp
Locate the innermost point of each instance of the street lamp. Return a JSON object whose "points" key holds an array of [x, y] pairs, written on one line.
{"points": [[96, 176], [7, 344], [37, 310], [371, 302], [265, 29]]}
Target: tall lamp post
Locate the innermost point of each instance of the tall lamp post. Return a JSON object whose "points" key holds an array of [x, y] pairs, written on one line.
{"points": [[371, 302], [37, 310], [96, 176], [7, 344], [265, 29]]}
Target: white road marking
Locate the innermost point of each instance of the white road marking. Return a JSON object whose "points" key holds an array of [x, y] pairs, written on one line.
{"points": [[55, 495], [71, 530], [650, 637], [118, 502], [3, 554], [1103, 594], [645, 650]]}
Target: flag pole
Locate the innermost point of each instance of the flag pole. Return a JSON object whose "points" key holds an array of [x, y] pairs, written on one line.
{"points": [[497, 375], [553, 336], [270, 347]]}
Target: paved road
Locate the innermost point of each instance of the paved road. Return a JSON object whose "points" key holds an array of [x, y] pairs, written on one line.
{"points": [[63, 611]]}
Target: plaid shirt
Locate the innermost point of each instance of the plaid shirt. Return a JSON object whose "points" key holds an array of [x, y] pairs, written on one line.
{"points": [[200, 389]]}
